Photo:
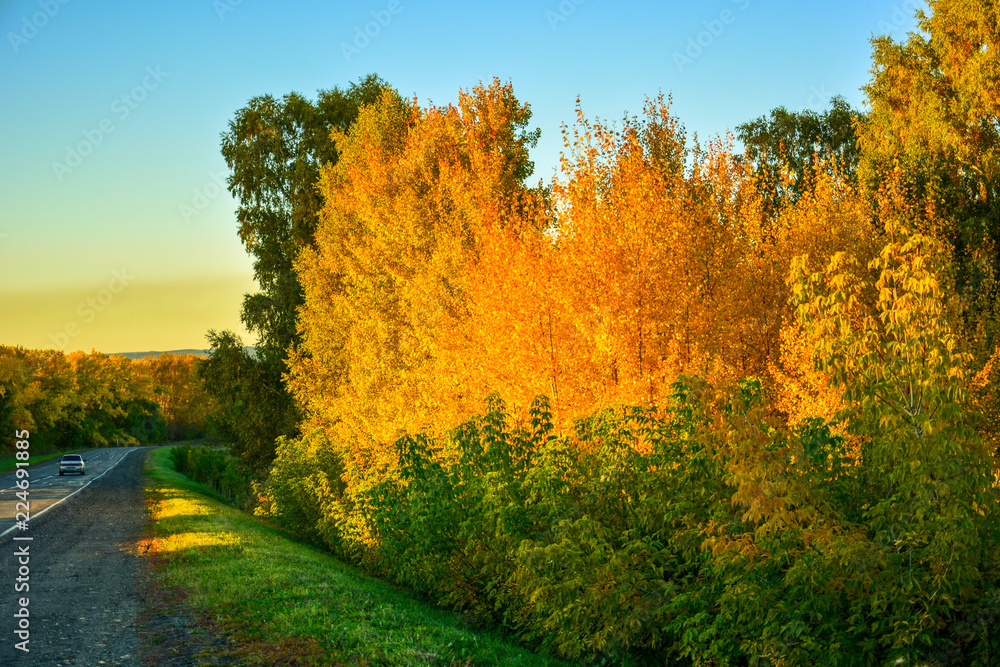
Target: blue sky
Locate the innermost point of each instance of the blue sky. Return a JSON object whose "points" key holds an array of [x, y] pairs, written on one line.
{"points": [[114, 232]]}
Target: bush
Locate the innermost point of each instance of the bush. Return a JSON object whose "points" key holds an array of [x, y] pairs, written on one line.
{"points": [[593, 545], [215, 468], [304, 491], [704, 532], [708, 532]]}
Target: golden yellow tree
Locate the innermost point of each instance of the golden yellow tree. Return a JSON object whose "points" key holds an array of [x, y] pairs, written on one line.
{"points": [[412, 192]]}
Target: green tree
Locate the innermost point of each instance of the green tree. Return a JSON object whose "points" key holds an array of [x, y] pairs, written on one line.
{"points": [[793, 142], [76, 400], [48, 400], [251, 413], [883, 334], [274, 149]]}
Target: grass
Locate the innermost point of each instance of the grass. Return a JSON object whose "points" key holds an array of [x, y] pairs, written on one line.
{"points": [[286, 602]]}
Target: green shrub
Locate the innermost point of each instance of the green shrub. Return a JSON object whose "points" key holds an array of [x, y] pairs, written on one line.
{"points": [[217, 469], [705, 532], [304, 491]]}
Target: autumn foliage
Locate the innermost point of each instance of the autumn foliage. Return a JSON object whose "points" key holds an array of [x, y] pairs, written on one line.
{"points": [[81, 400], [438, 277]]}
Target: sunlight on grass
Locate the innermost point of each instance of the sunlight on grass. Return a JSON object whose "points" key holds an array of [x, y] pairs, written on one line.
{"points": [[178, 506], [197, 540], [280, 597]]}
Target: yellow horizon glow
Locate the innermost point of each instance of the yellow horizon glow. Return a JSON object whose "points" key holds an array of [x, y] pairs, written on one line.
{"points": [[124, 314]]}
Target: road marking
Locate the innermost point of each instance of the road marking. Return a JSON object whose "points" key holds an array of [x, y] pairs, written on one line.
{"points": [[35, 516], [35, 481]]}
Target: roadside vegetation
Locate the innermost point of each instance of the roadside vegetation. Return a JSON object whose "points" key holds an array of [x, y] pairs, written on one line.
{"points": [[216, 468], [284, 601], [741, 398]]}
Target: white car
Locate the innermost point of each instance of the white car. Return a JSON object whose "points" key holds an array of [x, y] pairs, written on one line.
{"points": [[72, 463]]}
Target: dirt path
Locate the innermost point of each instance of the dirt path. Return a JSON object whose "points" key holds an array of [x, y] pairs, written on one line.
{"points": [[90, 600]]}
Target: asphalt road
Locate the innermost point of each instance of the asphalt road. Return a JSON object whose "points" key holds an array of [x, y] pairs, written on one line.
{"points": [[70, 583], [46, 488], [78, 585]]}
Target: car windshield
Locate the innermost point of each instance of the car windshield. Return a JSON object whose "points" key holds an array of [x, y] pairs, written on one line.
{"points": [[72, 458]]}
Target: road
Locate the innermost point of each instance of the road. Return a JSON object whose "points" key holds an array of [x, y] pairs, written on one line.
{"points": [[78, 583], [46, 488], [71, 582]]}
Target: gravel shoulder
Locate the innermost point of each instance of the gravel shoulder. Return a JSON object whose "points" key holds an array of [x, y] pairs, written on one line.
{"points": [[92, 597]]}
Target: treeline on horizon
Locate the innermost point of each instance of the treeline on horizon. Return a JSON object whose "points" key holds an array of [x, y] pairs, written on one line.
{"points": [[685, 404], [80, 400]]}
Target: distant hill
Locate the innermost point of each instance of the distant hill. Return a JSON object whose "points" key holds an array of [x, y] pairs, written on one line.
{"points": [[142, 355], [252, 351]]}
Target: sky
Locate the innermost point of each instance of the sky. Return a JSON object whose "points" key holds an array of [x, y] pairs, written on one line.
{"points": [[116, 231]]}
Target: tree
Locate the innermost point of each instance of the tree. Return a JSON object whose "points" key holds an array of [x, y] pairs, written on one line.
{"points": [[793, 142], [48, 400], [407, 204], [884, 335], [14, 413], [274, 150], [250, 412], [176, 387], [935, 124], [77, 400]]}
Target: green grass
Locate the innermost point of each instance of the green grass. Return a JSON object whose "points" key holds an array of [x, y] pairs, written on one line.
{"points": [[270, 590]]}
